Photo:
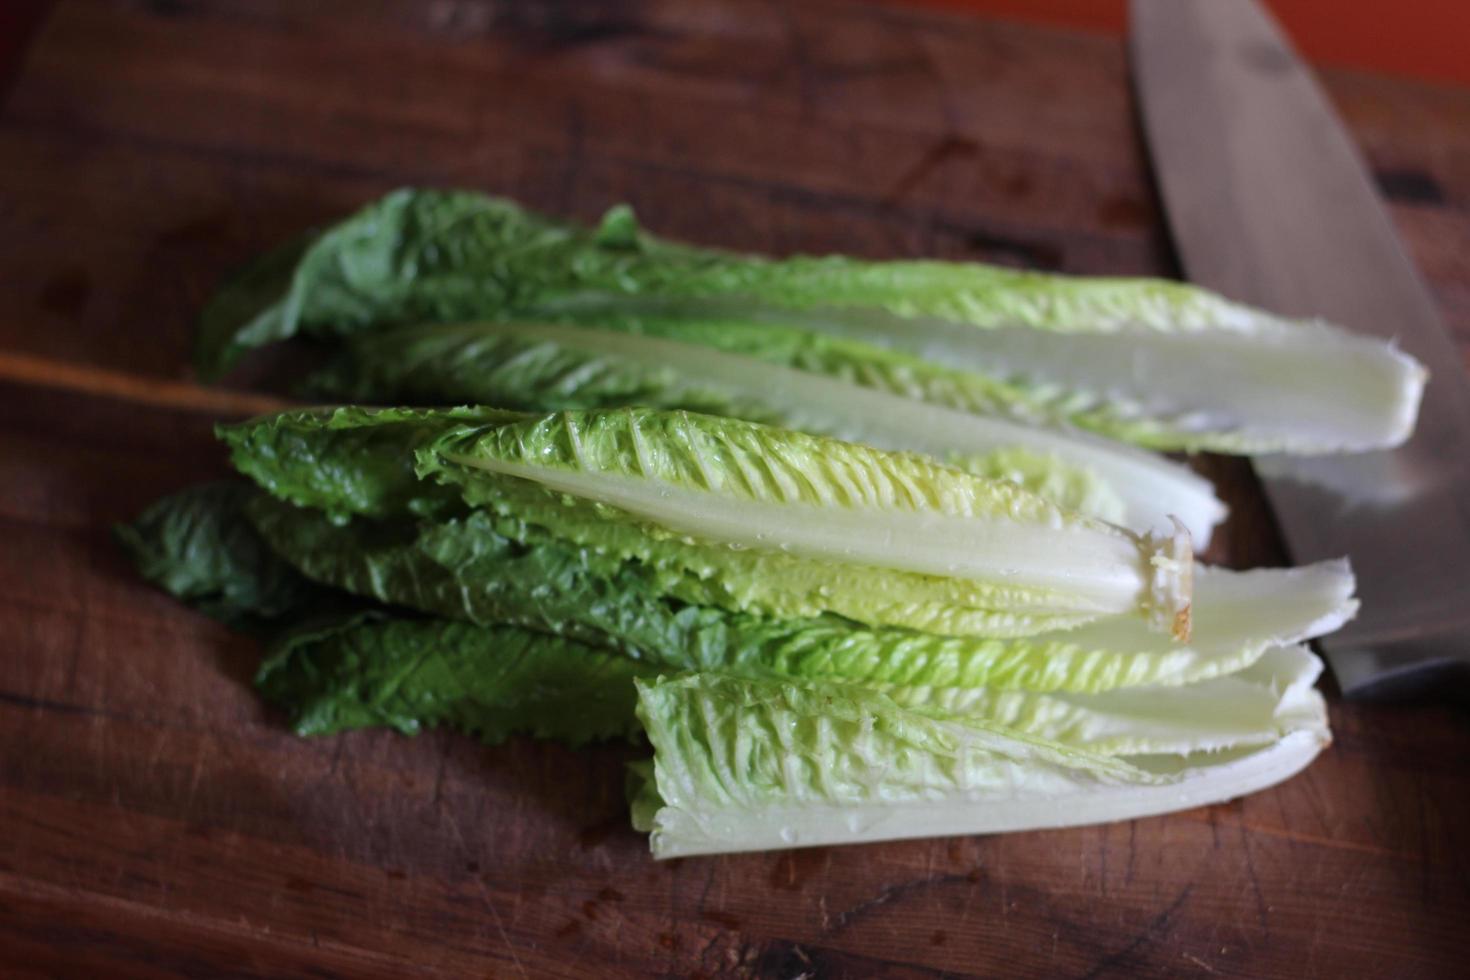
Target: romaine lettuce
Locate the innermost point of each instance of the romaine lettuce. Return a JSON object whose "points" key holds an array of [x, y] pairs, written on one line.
{"points": [[540, 367], [742, 516], [466, 569], [751, 765], [1161, 364], [767, 732]]}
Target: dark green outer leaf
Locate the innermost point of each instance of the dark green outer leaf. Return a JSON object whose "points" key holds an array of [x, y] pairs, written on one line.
{"points": [[349, 460], [415, 256], [198, 546], [411, 674], [248, 311], [337, 663], [465, 569]]}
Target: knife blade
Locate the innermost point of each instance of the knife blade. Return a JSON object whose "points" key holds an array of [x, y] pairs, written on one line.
{"points": [[1269, 202]]}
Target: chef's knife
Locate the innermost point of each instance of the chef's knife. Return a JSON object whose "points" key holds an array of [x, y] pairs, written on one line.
{"points": [[1269, 202]]}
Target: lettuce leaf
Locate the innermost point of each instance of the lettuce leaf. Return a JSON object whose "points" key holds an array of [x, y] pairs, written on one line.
{"points": [[410, 674], [349, 460], [539, 367], [336, 662], [747, 517], [466, 569], [491, 682], [754, 517], [750, 765], [1253, 707], [198, 546], [1158, 363]]}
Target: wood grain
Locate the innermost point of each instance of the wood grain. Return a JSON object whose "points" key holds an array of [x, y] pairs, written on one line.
{"points": [[156, 819]]}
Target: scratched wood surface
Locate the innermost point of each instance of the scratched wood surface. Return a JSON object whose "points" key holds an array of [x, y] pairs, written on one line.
{"points": [[155, 819]]}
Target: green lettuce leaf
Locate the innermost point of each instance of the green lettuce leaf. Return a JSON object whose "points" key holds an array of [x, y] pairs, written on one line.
{"points": [[492, 681], [540, 367], [749, 765], [999, 561], [349, 460], [336, 662], [753, 517], [198, 546], [466, 569], [411, 674], [1158, 363], [1256, 706], [247, 311]]}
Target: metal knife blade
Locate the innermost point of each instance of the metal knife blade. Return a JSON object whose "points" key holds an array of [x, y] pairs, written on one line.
{"points": [[1269, 203]]}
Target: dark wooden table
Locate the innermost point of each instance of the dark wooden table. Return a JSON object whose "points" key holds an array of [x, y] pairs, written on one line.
{"points": [[156, 819]]}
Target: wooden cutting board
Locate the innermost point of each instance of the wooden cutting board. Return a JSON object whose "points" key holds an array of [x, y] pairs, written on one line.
{"points": [[155, 819]]}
